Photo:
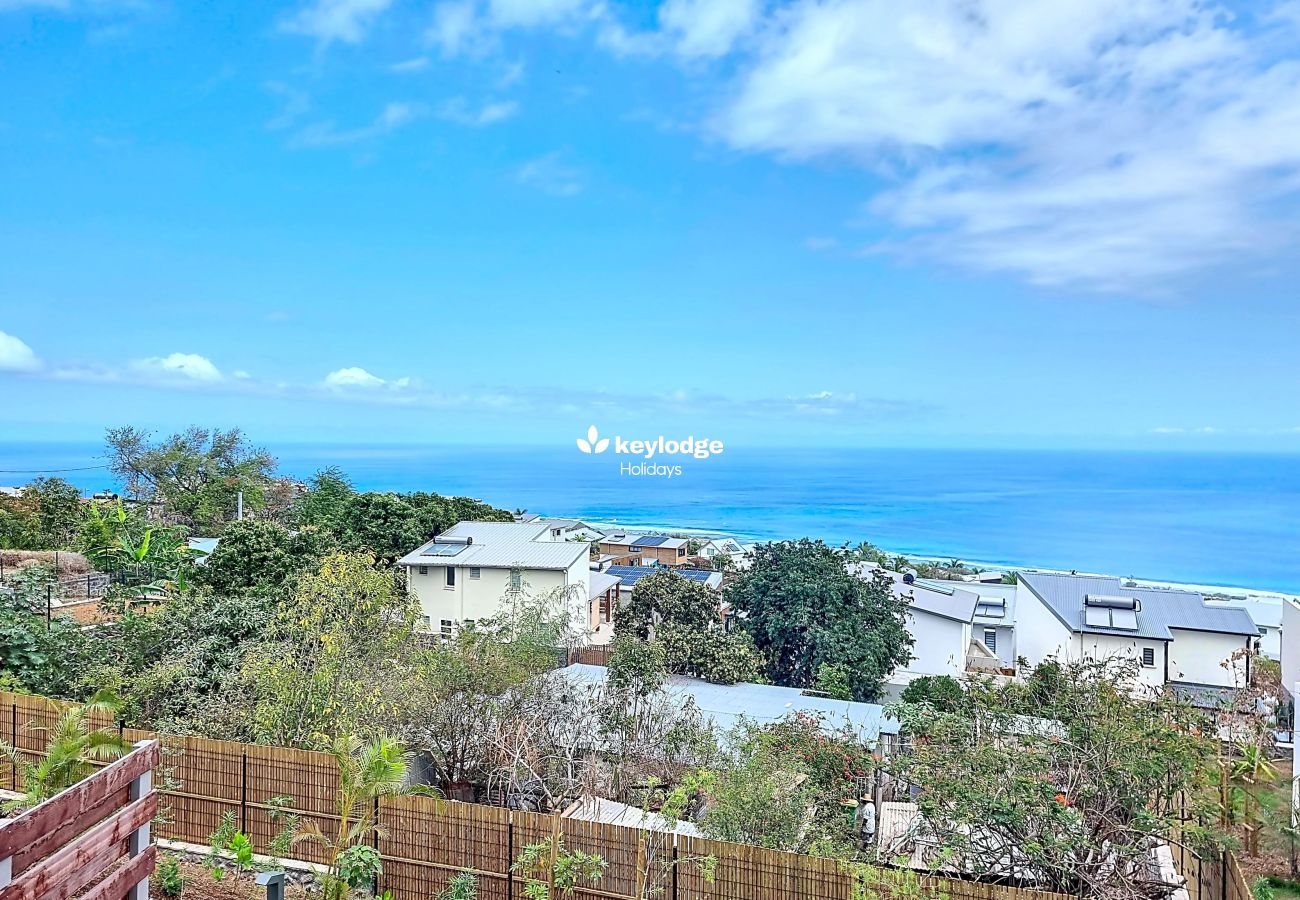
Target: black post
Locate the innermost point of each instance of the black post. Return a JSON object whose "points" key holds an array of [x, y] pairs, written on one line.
{"points": [[49, 605], [374, 882], [674, 867], [243, 791], [510, 857]]}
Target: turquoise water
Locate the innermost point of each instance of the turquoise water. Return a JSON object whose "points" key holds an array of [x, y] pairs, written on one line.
{"points": [[1231, 519]]}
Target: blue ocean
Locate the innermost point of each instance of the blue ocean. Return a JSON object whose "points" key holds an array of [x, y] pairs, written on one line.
{"points": [[1209, 519]]}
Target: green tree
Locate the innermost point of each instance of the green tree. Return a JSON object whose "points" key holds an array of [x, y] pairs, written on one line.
{"points": [[804, 608], [73, 745], [325, 504], [254, 556], [334, 647], [1070, 773], [195, 475], [667, 597], [943, 692], [46, 515]]}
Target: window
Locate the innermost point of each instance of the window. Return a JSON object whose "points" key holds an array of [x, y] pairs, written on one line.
{"points": [[451, 576], [446, 628], [635, 549], [991, 639], [424, 570], [1149, 657], [516, 579], [474, 572], [426, 623], [681, 551]]}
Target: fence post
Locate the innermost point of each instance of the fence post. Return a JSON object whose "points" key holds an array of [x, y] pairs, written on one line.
{"points": [[510, 855], [243, 790], [675, 836], [138, 842], [13, 742]]}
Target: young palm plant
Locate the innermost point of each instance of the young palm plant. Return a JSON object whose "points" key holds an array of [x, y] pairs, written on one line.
{"points": [[73, 747], [367, 771]]}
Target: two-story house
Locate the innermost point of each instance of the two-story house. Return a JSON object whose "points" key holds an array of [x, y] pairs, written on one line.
{"points": [[465, 574], [1176, 637], [644, 549]]}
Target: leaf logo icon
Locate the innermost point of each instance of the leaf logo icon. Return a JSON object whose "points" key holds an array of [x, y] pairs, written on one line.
{"points": [[593, 442]]}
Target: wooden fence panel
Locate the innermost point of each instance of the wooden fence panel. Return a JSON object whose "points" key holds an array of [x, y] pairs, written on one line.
{"points": [[618, 846], [310, 781], [204, 783], [427, 841]]}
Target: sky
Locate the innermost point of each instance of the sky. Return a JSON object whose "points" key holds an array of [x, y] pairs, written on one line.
{"points": [[957, 223]]}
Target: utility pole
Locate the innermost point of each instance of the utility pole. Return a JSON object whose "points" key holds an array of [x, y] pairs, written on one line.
{"points": [[239, 507]]}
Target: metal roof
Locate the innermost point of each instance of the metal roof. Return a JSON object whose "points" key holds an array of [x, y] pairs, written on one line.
{"points": [[623, 539], [600, 582], [725, 704], [990, 594], [956, 602], [1161, 610], [630, 575], [498, 545]]}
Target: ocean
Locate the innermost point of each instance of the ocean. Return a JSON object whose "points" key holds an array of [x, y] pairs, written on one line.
{"points": [[1206, 519]]}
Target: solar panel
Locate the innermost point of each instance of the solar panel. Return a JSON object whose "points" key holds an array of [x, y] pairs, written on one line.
{"points": [[651, 541], [1095, 617], [443, 549], [1124, 618]]}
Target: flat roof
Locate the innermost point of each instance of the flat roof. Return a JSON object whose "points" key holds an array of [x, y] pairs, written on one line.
{"points": [[497, 545]]}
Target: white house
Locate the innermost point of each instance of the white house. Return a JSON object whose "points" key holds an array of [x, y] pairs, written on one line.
{"points": [[1266, 613], [939, 621], [720, 547], [465, 573], [1177, 637], [570, 529], [994, 622]]}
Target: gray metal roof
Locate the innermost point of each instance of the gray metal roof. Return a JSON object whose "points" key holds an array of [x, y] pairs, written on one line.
{"points": [[498, 545], [1161, 610], [987, 593], [956, 602], [623, 539], [725, 704]]}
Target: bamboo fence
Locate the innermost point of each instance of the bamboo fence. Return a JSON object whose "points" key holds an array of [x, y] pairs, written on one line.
{"points": [[425, 841]]}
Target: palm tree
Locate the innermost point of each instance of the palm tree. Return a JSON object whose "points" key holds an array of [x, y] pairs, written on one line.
{"points": [[366, 772], [72, 749], [1248, 774]]}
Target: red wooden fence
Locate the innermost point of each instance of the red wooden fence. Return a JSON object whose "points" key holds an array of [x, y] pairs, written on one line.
{"points": [[65, 845]]}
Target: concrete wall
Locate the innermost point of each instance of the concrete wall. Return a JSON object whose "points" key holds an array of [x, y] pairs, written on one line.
{"points": [[1199, 657], [1039, 633], [1006, 640], [939, 646], [1291, 645], [1107, 646]]}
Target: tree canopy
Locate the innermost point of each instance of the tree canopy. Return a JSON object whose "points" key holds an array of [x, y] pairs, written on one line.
{"points": [[805, 609], [195, 474]]}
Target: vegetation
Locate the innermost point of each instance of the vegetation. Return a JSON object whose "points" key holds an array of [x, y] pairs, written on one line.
{"points": [[551, 870], [72, 747], [366, 772], [1067, 773], [804, 609]]}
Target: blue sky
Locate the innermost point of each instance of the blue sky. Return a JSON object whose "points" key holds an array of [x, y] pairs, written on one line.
{"points": [[840, 222]]}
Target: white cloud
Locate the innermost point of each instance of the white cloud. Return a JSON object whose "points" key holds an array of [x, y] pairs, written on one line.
{"points": [[336, 20], [418, 64], [525, 13], [1099, 143], [179, 366], [459, 111], [392, 117], [16, 356], [550, 175], [456, 28], [357, 377], [707, 28]]}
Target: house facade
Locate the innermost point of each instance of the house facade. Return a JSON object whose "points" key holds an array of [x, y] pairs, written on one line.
{"points": [[1176, 637], [469, 571], [644, 549], [994, 622], [939, 619]]}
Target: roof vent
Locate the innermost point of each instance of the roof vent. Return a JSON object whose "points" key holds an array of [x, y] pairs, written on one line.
{"points": [[909, 578]]}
